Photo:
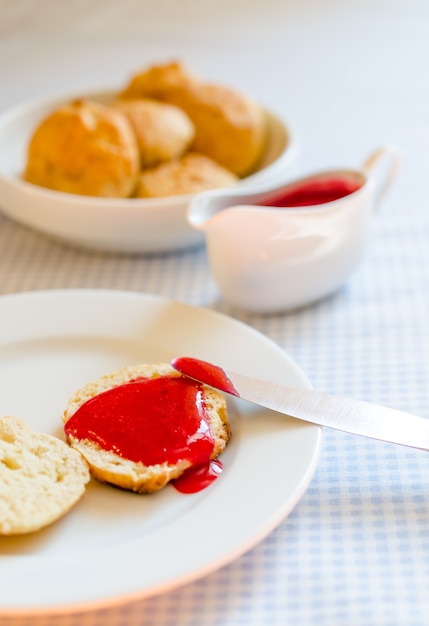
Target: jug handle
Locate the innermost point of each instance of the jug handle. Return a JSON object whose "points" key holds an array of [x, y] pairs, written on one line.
{"points": [[392, 155]]}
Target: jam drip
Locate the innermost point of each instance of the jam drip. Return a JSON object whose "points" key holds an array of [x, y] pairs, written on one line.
{"points": [[199, 477]]}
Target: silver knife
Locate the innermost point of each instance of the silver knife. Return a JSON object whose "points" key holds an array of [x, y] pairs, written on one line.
{"points": [[345, 414]]}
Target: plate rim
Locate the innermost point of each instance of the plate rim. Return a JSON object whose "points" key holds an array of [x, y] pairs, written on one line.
{"points": [[17, 299]]}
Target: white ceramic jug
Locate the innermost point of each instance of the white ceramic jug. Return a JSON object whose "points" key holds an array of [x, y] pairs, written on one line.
{"points": [[276, 248]]}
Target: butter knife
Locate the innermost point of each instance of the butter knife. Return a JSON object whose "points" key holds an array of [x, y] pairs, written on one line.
{"points": [[346, 414]]}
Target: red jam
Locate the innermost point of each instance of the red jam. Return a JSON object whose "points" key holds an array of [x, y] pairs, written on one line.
{"points": [[198, 477], [315, 191], [210, 374], [150, 420]]}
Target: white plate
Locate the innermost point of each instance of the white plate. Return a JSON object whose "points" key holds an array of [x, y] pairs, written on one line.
{"points": [[114, 545], [141, 225]]}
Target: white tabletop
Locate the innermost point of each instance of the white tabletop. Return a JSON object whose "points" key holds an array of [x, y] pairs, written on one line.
{"points": [[350, 76]]}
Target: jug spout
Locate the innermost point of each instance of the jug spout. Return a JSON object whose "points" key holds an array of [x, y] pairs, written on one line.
{"points": [[323, 190], [206, 205]]}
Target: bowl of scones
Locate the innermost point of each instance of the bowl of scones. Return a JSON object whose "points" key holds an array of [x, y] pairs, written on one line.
{"points": [[115, 170]]}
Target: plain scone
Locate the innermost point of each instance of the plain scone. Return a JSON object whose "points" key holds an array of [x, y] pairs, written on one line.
{"points": [[191, 173], [84, 148], [41, 478], [163, 131], [109, 467]]}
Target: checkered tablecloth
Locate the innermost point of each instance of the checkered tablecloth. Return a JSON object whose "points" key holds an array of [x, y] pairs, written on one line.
{"points": [[351, 76]]}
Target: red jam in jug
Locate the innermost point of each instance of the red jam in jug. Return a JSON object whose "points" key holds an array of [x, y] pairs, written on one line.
{"points": [[314, 191]]}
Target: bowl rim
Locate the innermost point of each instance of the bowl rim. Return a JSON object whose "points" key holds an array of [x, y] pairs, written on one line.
{"points": [[31, 106]]}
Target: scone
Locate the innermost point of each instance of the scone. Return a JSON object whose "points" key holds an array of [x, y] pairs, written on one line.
{"points": [[143, 426], [230, 127], [158, 81], [190, 174], [163, 131], [41, 478], [84, 148]]}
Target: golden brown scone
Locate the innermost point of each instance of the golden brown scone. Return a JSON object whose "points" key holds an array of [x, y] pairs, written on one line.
{"points": [[158, 81], [230, 127], [41, 478], [163, 131], [84, 148], [190, 174], [109, 467]]}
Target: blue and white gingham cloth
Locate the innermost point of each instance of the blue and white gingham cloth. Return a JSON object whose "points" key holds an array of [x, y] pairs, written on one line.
{"points": [[355, 550]]}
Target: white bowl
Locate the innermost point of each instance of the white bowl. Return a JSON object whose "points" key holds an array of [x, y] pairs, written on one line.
{"points": [[132, 225]]}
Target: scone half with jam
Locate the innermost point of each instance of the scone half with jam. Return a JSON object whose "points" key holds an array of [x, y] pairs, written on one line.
{"points": [[143, 426]]}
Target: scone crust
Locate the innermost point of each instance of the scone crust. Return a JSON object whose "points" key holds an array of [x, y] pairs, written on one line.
{"points": [[158, 81], [192, 173], [41, 477], [84, 148], [108, 467]]}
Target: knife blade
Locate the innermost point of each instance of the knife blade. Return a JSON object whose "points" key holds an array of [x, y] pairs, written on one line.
{"points": [[349, 415]]}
